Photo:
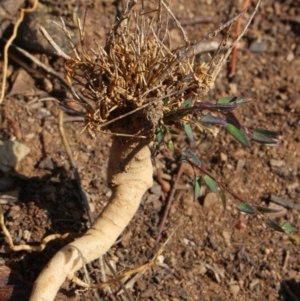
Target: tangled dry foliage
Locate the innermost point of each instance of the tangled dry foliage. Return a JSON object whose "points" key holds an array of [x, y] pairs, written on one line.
{"points": [[137, 78]]}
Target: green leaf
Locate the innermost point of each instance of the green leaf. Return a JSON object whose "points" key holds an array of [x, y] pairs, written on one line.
{"points": [[274, 225], [188, 130], [228, 99], [287, 228], [189, 156], [267, 133], [267, 210], [213, 119], [187, 103], [171, 145], [265, 137], [231, 119], [223, 199], [197, 186], [160, 134], [239, 135], [232, 99], [247, 208], [212, 185]]}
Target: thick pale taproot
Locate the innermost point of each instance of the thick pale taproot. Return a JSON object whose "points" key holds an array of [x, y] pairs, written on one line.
{"points": [[129, 175]]}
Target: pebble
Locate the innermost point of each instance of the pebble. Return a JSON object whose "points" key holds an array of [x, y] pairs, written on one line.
{"points": [[156, 189], [26, 235], [210, 199], [276, 163], [258, 47], [234, 289], [223, 157], [46, 164], [11, 152]]}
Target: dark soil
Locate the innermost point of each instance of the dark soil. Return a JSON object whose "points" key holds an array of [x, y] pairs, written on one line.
{"points": [[208, 257]]}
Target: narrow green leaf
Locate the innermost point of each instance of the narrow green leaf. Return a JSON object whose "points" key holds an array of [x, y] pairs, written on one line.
{"points": [[188, 130], [232, 99], [160, 134], [187, 103], [212, 185], [267, 133], [288, 228], [213, 120], [231, 118], [197, 186], [223, 199], [265, 137], [274, 225], [228, 99], [247, 208], [239, 135], [171, 145], [267, 210], [189, 156]]}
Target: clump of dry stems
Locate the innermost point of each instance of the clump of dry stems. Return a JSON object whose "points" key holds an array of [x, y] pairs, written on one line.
{"points": [[131, 83]]}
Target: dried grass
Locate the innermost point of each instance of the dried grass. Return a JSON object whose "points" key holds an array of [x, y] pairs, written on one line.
{"points": [[131, 83]]}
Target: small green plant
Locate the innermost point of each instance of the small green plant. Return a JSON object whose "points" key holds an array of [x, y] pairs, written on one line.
{"points": [[208, 117]]}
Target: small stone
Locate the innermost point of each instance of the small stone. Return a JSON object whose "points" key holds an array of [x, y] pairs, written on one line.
{"points": [[234, 289], [240, 165], [258, 47], [11, 152], [126, 239], [290, 56], [26, 235], [210, 199], [227, 237], [233, 89], [223, 157], [156, 189], [47, 164], [276, 163]]}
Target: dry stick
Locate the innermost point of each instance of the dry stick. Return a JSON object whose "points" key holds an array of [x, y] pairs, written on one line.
{"points": [[237, 32], [169, 203], [74, 169], [8, 43], [283, 202], [119, 280], [48, 69]]}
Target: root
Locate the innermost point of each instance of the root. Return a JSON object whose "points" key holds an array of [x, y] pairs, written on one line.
{"points": [[129, 175]]}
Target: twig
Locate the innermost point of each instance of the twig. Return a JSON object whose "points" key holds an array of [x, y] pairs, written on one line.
{"points": [[169, 203], [237, 32], [57, 49], [8, 43], [125, 290], [286, 260], [283, 202], [48, 69], [75, 171]]}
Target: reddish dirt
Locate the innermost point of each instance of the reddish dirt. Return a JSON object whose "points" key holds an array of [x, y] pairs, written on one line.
{"points": [[207, 257]]}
